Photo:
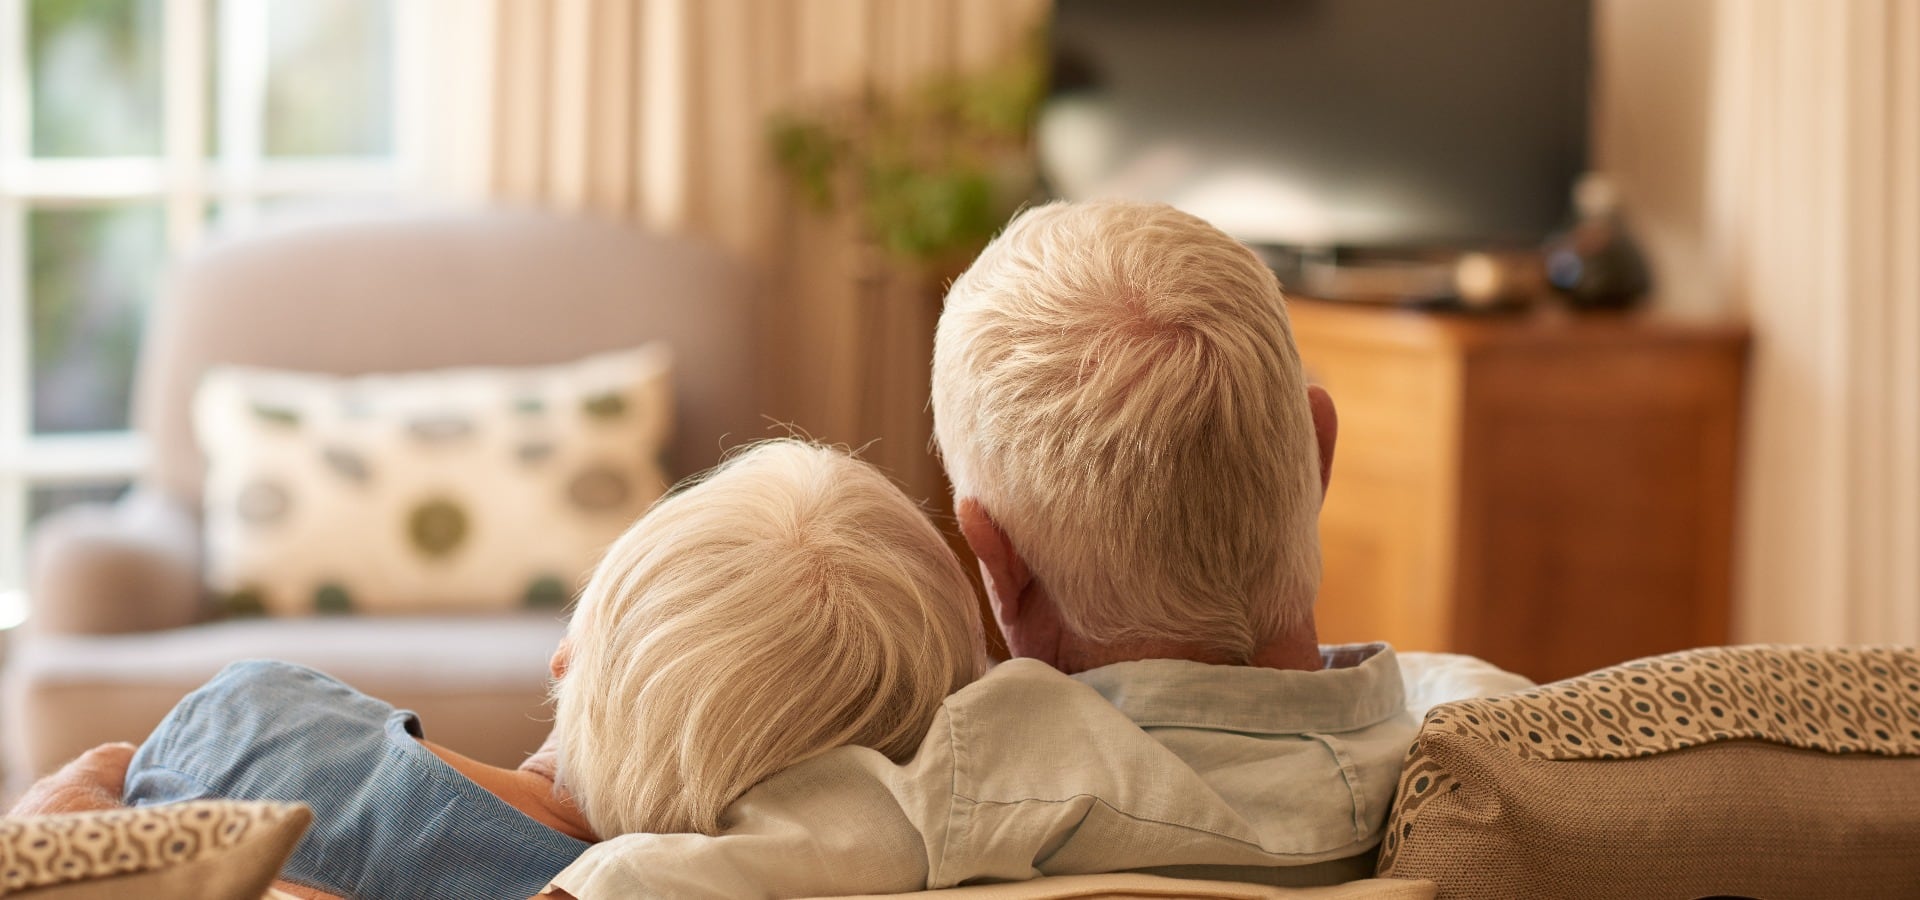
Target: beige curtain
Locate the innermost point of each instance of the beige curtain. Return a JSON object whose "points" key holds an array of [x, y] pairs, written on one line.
{"points": [[1771, 154], [1814, 212], [655, 112]]}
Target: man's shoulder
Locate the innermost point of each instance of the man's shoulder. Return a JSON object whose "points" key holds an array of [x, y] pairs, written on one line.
{"points": [[1016, 674], [1021, 690], [1023, 733]]}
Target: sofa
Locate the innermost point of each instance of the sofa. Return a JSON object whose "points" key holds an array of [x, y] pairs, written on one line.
{"points": [[121, 622], [1767, 772]]}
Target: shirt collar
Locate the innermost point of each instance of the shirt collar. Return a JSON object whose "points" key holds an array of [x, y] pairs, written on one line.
{"points": [[1359, 687]]}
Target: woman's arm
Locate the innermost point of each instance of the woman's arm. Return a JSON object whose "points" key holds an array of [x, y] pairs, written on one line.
{"points": [[303, 892]]}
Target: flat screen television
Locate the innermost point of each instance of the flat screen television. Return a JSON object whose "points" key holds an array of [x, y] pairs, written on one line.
{"points": [[1326, 125]]}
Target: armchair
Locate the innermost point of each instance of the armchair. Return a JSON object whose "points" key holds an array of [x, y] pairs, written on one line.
{"points": [[121, 625]]}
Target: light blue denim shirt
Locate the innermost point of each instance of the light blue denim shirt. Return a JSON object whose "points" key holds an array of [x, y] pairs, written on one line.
{"points": [[1169, 766], [391, 820]]}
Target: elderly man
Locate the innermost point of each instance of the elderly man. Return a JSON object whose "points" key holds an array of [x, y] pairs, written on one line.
{"points": [[1138, 462]]}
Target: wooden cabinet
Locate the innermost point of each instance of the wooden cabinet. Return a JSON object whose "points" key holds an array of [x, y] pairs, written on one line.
{"points": [[1553, 493]]}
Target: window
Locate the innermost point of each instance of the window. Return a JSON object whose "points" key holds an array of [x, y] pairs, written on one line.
{"points": [[129, 131]]}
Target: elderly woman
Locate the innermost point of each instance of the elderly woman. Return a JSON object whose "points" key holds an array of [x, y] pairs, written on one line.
{"points": [[791, 602]]}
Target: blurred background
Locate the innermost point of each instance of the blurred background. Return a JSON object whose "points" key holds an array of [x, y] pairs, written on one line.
{"points": [[1761, 163], [132, 130]]}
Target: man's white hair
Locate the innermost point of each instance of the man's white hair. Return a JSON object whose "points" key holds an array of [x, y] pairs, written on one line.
{"points": [[791, 602], [1117, 385]]}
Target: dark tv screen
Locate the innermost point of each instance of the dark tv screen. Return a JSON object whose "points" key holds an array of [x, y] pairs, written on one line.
{"points": [[1326, 124]]}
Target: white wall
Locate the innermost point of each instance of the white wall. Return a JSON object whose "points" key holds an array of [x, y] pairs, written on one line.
{"points": [[1770, 151], [1653, 62]]}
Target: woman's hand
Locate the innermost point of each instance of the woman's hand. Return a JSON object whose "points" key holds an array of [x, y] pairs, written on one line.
{"points": [[92, 782]]}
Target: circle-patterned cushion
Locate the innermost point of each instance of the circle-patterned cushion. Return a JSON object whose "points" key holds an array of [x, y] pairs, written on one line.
{"points": [[465, 489]]}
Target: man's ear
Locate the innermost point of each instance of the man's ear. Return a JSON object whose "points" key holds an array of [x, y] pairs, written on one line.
{"points": [[562, 655], [1326, 427], [1001, 567]]}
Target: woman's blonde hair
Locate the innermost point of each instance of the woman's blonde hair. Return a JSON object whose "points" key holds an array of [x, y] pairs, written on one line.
{"points": [[791, 601]]}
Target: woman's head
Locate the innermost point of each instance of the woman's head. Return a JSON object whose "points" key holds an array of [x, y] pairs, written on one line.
{"points": [[791, 601]]}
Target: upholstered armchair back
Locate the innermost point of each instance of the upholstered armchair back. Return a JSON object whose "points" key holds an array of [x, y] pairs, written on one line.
{"points": [[428, 291], [122, 627]]}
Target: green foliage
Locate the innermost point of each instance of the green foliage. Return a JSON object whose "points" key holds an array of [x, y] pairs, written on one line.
{"points": [[924, 214], [94, 71], [933, 172], [89, 274], [119, 23], [809, 153]]}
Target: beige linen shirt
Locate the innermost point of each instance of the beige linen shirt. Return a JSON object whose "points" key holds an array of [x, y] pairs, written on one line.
{"points": [[1177, 767]]}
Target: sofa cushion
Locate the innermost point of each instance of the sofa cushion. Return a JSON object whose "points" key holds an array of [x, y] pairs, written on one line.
{"points": [[202, 850], [1771, 772], [465, 489], [479, 683]]}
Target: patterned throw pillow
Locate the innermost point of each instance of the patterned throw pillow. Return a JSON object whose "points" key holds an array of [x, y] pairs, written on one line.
{"points": [[463, 489], [1763, 771], [201, 850]]}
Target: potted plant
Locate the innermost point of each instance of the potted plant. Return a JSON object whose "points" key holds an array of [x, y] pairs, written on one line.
{"points": [[930, 173]]}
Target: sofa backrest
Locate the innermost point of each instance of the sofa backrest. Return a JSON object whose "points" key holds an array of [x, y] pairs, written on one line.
{"points": [[1765, 771], [425, 291]]}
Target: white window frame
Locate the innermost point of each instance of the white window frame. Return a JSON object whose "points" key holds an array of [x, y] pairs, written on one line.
{"points": [[186, 184]]}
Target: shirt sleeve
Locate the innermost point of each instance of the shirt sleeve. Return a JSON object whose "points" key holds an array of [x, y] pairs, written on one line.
{"points": [[209, 736], [842, 823], [1435, 678]]}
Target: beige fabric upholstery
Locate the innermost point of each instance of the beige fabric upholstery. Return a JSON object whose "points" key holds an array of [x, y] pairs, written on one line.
{"points": [[128, 567], [117, 590], [1090, 887], [435, 291], [1717, 771], [479, 683]]}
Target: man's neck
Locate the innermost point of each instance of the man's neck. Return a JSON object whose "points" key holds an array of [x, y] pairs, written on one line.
{"points": [[1035, 629], [1295, 651]]}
